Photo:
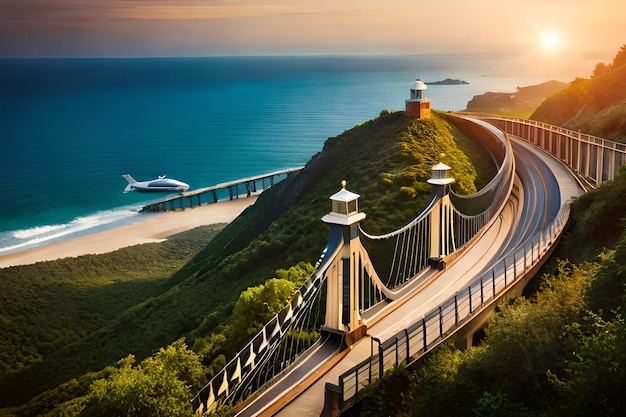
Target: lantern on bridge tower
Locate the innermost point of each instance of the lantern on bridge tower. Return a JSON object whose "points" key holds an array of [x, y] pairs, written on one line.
{"points": [[442, 219], [418, 105], [342, 301], [440, 180]]}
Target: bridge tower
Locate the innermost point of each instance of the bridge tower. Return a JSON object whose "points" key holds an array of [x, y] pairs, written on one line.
{"points": [[418, 105], [441, 235], [342, 299]]}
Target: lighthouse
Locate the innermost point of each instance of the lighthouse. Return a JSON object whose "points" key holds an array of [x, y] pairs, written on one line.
{"points": [[418, 105]]}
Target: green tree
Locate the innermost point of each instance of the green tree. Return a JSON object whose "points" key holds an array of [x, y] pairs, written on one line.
{"points": [[255, 307], [607, 293], [526, 337], [297, 273], [594, 380], [160, 385], [499, 405]]}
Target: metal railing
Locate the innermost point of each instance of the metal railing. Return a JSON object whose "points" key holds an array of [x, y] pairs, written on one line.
{"points": [[592, 158], [228, 384], [427, 332]]}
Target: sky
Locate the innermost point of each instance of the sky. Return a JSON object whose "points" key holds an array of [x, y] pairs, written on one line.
{"points": [[560, 33]]}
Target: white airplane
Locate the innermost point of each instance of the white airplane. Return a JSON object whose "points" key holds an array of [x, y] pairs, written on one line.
{"points": [[160, 184]]}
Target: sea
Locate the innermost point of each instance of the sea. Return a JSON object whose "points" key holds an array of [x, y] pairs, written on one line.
{"points": [[69, 128]]}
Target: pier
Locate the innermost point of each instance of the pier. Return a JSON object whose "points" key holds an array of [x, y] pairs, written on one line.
{"points": [[224, 191]]}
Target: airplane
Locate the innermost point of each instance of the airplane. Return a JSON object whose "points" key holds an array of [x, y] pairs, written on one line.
{"points": [[161, 184]]}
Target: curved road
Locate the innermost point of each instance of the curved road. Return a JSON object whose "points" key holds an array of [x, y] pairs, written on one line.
{"points": [[544, 184]]}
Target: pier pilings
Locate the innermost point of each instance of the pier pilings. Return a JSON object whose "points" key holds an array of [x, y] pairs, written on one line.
{"points": [[224, 191]]}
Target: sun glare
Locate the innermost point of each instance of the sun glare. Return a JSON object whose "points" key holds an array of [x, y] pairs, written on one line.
{"points": [[550, 41]]}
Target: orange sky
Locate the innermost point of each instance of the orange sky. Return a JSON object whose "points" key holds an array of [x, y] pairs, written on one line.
{"points": [[589, 32]]}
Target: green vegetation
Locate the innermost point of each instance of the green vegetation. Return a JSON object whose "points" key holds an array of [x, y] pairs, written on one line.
{"points": [[562, 350], [559, 352], [161, 385], [257, 305], [49, 305], [69, 320]]}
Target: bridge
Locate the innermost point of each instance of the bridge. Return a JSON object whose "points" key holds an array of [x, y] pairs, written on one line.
{"points": [[384, 300], [226, 190]]}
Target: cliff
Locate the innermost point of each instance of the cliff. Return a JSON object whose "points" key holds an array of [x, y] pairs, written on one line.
{"points": [[521, 103]]}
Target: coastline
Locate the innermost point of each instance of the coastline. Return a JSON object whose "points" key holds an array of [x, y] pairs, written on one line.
{"points": [[154, 229]]}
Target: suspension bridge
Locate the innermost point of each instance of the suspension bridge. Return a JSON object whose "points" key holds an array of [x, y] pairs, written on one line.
{"points": [[378, 301]]}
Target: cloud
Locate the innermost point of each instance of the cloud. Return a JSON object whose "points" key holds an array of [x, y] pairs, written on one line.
{"points": [[205, 27]]}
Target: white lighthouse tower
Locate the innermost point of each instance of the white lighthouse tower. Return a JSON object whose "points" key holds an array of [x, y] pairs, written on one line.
{"points": [[418, 105]]}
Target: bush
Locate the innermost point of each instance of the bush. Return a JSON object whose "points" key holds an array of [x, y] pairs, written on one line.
{"points": [[158, 386]]}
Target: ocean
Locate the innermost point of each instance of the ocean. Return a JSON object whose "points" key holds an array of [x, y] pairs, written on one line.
{"points": [[70, 128]]}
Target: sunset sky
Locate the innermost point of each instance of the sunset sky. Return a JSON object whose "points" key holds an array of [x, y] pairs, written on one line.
{"points": [[570, 33]]}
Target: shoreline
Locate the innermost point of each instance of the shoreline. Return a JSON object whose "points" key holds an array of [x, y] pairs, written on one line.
{"points": [[154, 229]]}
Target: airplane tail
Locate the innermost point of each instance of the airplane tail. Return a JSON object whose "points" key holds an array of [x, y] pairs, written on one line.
{"points": [[130, 180]]}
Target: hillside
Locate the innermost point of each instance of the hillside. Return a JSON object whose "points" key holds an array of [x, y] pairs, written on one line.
{"points": [[521, 103], [386, 160], [595, 105]]}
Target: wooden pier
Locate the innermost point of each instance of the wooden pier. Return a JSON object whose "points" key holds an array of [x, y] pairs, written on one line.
{"points": [[224, 191]]}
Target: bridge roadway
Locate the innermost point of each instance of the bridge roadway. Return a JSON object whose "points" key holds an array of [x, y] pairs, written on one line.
{"points": [[544, 184]]}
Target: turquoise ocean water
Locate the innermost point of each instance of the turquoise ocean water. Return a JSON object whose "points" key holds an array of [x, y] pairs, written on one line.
{"points": [[70, 128]]}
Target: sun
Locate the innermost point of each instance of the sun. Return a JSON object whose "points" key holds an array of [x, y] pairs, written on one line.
{"points": [[550, 41]]}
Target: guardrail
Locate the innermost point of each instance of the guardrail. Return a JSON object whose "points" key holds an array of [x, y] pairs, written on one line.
{"points": [[592, 158], [410, 344], [227, 384]]}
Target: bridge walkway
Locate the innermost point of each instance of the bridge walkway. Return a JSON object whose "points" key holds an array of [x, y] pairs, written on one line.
{"points": [[569, 186], [403, 312], [400, 314]]}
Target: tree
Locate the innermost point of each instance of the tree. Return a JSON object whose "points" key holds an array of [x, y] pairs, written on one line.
{"points": [[594, 379], [599, 69], [620, 57], [297, 273], [160, 385], [255, 307], [607, 293]]}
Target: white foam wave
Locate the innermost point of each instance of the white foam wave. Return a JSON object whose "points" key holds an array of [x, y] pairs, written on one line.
{"points": [[35, 231], [27, 238]]}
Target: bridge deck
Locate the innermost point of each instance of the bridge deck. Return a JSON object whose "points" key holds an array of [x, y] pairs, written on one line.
{"points": [[400, 314], [518, 221], [568, 186]]}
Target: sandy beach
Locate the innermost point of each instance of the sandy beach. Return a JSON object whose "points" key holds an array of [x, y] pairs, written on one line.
{"points": [[154, 229]]}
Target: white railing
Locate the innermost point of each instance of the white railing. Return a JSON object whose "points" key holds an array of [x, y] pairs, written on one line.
{"points": [[427, 332]]}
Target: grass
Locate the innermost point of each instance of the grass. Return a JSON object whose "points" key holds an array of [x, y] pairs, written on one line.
{"points": [[48, 306]]}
